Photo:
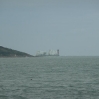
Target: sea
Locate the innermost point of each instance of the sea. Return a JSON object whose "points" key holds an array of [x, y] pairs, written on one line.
{"points": [[63, 77]]}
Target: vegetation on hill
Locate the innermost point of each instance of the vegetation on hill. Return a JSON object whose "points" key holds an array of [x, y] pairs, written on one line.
{"points": [[6, 52]]}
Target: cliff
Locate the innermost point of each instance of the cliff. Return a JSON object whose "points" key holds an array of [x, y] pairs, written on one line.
{"points": [[6, 52]]}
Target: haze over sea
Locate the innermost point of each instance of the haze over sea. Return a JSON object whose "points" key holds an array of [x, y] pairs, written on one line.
{"points": [[49, 78]]}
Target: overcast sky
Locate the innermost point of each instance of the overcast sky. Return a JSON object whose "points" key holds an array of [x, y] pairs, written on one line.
{"points": [[72, 26]]}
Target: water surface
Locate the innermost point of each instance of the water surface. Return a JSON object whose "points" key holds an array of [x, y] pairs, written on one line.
{"points": [[49, 78]]}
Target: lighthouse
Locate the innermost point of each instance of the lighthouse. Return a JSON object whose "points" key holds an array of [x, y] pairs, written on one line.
{"points": [[58, 52]]}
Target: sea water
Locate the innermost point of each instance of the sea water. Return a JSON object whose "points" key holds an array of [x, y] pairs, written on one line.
{"points": [[49, 78]]}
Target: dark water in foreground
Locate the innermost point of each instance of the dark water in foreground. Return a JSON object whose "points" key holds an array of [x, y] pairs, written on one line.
{"points": [[49, 78]]}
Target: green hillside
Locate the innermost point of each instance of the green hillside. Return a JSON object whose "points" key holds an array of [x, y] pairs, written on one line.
{"points": [[6, 52]]}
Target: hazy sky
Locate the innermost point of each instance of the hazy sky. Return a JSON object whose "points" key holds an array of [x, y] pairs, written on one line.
{"points": [[72, 26]]}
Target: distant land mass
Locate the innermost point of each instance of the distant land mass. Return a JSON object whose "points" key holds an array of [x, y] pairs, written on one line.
{"points": [[7, 52]]}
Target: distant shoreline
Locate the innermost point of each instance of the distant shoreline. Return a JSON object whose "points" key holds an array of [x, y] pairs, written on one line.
{"points": [[7, 52]]}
